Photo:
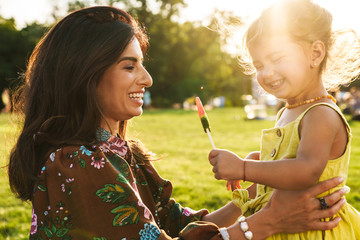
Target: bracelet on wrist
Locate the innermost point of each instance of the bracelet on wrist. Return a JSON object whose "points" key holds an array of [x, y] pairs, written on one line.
{"points": [[245, 228], [224, 233]]}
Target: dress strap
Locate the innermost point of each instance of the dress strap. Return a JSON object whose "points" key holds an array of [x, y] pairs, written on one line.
{"points": [[329, 105], [280, 112]]}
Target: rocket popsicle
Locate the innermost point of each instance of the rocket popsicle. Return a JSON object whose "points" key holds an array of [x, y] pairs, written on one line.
{"points": [[231, 185], [204, 119]]}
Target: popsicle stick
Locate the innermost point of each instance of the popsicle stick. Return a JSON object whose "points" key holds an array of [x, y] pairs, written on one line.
{"points": [[211, 141]]}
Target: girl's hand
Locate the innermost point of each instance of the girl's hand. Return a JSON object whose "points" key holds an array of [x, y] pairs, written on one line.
{"points": [[226, 165], [235, 184]]}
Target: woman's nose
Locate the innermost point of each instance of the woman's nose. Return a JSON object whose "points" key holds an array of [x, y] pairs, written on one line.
{"points": [[146, 79]]}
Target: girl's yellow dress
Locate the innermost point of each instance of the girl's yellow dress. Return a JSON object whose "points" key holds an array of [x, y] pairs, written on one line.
{"points": [[282, 142]]}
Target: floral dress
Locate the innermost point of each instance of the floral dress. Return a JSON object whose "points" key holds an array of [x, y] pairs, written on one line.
{"points": [[104, 193]]}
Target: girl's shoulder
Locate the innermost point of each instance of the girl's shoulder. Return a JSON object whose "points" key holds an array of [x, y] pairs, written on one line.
{"points": [[324, 114], [323, 110], [311, 114]]}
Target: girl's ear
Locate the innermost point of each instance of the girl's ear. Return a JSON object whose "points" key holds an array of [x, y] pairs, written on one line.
{"points": [[317, 53]]}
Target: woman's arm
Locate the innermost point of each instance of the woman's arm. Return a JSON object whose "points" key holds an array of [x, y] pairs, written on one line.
{"points": [[294, 211], [287, 211], [224, 216]]}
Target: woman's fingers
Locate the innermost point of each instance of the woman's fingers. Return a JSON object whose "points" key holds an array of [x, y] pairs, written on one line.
{"points": [[325, 186], [334, 197], [300, 211], [330, 212], [322, 225]]}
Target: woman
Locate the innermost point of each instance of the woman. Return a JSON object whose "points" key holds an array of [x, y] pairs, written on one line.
{"points": [[85, 79]]}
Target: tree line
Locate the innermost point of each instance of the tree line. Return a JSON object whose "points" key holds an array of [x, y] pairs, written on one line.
{"points": [[184, 59]]}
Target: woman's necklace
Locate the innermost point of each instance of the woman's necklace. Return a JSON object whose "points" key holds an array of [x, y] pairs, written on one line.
{"points": [[288, 106]]}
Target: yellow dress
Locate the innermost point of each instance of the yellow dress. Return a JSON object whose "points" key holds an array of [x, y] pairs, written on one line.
{"points": [[282, 142]]}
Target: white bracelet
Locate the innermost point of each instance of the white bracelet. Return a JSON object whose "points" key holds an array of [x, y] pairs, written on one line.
{"points": [[224, 233], [245, 228]]}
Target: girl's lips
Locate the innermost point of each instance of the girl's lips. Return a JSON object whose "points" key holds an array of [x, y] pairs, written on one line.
{"points": [[276, 83]]}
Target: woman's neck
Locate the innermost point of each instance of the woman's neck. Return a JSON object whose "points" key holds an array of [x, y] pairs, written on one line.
{"points": [[111, 126]]}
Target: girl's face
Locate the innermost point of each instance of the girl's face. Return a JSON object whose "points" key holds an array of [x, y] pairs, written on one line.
{"points": [[283, 67], [121, 88]]}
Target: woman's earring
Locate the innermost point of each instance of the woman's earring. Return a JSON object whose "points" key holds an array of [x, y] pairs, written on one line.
{"points": [[314, 64]]}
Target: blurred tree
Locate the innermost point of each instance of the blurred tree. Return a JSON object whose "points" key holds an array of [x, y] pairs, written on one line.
{"points": [[15, 46], [183, 56]]}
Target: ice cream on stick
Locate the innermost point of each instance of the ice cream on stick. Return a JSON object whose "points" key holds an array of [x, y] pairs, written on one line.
{"points": [[204, 119], [231, 185]]}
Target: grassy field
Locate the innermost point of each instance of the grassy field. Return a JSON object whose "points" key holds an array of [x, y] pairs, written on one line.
{"points": [[178, 136]]}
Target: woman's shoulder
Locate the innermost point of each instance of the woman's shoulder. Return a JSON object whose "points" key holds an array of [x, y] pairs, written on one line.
{"points": [[74, 151], [73, 156]]}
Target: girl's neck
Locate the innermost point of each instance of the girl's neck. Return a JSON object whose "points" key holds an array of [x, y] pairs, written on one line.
{"points": [[312, 91], [310, 101]]}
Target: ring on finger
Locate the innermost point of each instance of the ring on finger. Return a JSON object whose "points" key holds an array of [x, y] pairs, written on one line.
{"points": [[323, 204]]}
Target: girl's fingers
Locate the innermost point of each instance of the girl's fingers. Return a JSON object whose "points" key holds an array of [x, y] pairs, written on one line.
{"points": [[213, 153]]}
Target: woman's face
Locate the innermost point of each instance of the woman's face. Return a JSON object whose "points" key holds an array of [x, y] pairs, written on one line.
{"points": [[121, 88]]}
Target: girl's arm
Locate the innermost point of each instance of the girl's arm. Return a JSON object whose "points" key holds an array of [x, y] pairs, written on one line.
{"points": [[322, 138]]}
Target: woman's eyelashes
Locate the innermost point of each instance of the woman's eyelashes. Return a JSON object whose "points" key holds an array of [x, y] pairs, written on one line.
{"points": [[130, 68]]}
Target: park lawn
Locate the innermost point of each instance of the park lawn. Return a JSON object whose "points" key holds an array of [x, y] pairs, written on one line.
{"points": [[178, 138]]}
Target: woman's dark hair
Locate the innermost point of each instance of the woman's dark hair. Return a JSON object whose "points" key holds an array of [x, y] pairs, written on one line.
{"points": [[59, 95]]}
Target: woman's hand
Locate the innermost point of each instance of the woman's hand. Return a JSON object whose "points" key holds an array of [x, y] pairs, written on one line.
{"points": [[294, 212], [298, 211]]}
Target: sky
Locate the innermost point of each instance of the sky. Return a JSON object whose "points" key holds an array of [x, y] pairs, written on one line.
{"points": [[344, 12]]}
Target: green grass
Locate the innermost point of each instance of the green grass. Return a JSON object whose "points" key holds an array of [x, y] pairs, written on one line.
{"points": [[178, 136]]}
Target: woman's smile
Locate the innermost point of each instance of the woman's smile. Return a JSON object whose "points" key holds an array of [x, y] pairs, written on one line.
{"points": [[137, 97]]}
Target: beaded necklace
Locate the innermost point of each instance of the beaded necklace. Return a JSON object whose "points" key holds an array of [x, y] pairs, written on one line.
{"points": [[288, 106]]}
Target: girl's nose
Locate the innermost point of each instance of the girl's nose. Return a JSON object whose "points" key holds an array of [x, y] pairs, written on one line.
{"points": [[267, 72]]}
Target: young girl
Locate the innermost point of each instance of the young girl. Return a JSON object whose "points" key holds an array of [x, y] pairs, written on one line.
{"points": [[289, 47]]}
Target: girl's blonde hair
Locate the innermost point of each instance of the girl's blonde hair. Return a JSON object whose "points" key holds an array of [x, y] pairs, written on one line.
{"points": [[306, 21]]}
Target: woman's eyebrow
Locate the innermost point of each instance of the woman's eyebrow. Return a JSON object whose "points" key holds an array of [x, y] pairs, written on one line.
{"points": [[133, 59]]}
